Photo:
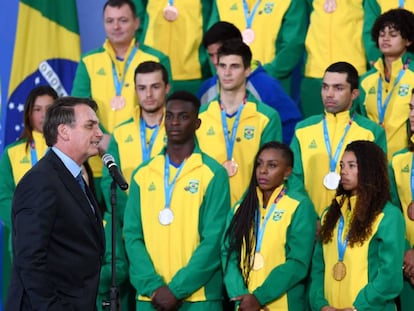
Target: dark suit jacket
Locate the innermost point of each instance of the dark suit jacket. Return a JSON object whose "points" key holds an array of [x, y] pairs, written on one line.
{"points": [[58, 242]]}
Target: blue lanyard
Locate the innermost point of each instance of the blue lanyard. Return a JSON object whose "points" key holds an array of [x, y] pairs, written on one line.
{"points": [[341, 245], [261, 229], [230, 141], [33, 154], [382, 107], [171, 2], [401, 3], [334, 160], [249, 17], [146, 151], [117, 82], [169, 187]]}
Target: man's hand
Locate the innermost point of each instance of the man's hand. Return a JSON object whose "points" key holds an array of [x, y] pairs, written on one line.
{"points": [[164, 300], [248, 302]]}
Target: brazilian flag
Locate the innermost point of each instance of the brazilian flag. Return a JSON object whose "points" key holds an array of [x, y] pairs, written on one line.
{"points": [[46, 52]]}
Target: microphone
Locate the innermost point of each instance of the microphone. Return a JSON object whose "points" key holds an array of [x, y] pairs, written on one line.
{"points": [[109, 162]]}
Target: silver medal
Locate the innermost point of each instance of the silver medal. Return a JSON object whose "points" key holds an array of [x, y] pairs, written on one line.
{"points": [[331, 180], [166, 216]]}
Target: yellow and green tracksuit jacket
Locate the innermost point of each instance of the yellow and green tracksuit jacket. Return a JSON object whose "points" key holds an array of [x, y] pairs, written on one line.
{"points": [[400, 177], [125, 146], [180, 39], [280, 28], [258, 124], [311, 162], [334, 37], [287, 247], [373, 270], [14, 163], [184, 255], [396, 115], [94, 79], [372, 10]]}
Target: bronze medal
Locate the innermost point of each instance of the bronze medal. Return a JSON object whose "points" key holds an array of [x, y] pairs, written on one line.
{"points": [[170, 13], [248, 36], [258, 261], [339, 271], [117, 103], [231, 167], [410, 211]]}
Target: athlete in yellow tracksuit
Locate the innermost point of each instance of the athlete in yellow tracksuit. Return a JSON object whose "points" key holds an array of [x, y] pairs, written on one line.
{"points": [[279, 32], [401, 167], [258, 124]]}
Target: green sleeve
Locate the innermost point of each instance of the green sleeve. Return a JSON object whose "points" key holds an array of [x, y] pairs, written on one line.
{"points": [[206, 257], [142, 273], [387, 282], [380, 138], [299, 245], [316, 290], [215, 16], [395, 199], [233, 279], [82, 82], [273, 129], [371, 11], [7, 187], [106, 181], [290, 41], [296, 179], [141, 7], [121, 259], [360, 100]]}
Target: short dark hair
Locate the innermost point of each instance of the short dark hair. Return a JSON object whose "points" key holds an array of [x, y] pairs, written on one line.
{"points": [[187, 97], [119, 3], [62, 112], [151, 66], [401, 20], [220, 32], [236, 47], [351, 73], [28, 109]]}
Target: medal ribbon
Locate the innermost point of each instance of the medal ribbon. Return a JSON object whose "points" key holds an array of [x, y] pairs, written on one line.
{"points": [[249, 17], [260, 229], [341, 245], [33, 154], [382, 107], [334, 160], [146, 151], [230, 141], [117, 82], [171, 2], [169, 187], [401, 3]]}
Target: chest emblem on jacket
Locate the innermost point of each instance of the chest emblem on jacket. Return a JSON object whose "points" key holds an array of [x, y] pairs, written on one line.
{"points": [[404, 90], [192, 186], [278, 214], [248, 132], [268, 7]]}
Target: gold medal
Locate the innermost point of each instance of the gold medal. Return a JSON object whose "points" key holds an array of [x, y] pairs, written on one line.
{"points": [[329, 6], [410, 211], [170, 13], [258, 261], [339, 271], [231, 167], [117, 103]]}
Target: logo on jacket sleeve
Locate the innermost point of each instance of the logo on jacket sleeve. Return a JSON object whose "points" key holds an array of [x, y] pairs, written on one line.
{"points": [[210, 131], [192, 186], [129, 139], [277, 214], [313, 145], [372, 90], [405, 169], [404, 90], [101, 72], [248, 132], [25, 160]]}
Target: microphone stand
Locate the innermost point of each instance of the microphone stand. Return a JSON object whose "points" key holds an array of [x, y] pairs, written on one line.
{"points": [[114, 299]]}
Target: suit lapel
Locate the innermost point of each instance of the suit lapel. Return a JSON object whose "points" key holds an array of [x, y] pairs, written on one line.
{"points": [[75, 190]]}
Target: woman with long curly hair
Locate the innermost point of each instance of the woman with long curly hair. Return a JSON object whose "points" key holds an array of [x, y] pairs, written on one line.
{"points": [[269, 240], [357, 261], [402, 192]]}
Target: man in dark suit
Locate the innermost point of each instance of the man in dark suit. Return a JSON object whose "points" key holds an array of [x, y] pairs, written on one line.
{"points": [[57, 233]]}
